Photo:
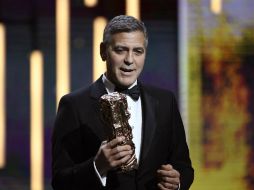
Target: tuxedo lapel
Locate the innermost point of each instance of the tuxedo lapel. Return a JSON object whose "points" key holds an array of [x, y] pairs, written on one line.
{"points": [[95, 120], [98, 89], [149, 107]]}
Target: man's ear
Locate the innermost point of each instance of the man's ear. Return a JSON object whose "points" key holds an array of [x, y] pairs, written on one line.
{"points": [[103, 51]]}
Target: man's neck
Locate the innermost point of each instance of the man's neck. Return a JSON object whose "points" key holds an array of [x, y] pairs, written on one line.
{"points": [[110, 86]]}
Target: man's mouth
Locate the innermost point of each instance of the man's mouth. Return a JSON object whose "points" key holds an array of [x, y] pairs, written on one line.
{"points": [[126, 70]]}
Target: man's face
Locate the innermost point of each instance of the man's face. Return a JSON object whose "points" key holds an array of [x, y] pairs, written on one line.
{"points": [[125, 57]]}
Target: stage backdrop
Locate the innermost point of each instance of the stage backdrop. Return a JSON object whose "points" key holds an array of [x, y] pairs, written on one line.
{"points": [[219, 73]]}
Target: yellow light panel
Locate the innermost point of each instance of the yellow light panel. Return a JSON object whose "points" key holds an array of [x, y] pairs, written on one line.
{"points": [[62, 51], [36, 128], [133, 8], [216, 6], [99, 67], [90, 3], [2, 96]]}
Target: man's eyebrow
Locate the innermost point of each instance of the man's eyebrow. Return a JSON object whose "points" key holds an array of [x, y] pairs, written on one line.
{"points": [[141, 47], [120, 46]]}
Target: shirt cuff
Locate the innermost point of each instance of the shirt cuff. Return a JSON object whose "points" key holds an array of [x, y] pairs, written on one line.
{"points": [[103, 179]]}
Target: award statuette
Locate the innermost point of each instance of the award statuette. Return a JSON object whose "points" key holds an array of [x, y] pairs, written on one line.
{"points": [[115, 116]]}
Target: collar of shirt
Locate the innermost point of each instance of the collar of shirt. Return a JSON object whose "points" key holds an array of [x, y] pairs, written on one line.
{"points": [[110, 87]]}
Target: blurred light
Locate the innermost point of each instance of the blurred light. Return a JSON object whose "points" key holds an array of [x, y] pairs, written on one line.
{"points": [[2, 95], [99, 67], [183, 74], [62, 49], [133, 8], [216, 6], [36, 128], [90, 3]]}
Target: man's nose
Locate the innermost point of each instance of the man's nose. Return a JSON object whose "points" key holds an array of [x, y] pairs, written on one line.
{"points": [[128, 58]]}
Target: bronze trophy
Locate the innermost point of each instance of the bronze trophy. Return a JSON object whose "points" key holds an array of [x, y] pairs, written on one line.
{"points": [[115, 116]]}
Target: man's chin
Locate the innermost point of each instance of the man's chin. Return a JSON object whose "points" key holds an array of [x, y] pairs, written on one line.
{"points": [[125, 84]]}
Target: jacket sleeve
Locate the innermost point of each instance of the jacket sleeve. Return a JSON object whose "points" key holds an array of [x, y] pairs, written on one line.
{"points": [[180, 157], [71, 169]]}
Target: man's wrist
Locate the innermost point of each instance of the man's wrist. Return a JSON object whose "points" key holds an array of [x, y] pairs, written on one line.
{"points": [[102, 178], [178, 187]]}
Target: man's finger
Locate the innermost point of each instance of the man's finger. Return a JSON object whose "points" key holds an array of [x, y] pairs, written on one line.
{"points": [[167, 167], [117, 163], [122, 154], [112, 144], [167, 186], [121, 148], [170, 180], [168, 173], [162, 187]]}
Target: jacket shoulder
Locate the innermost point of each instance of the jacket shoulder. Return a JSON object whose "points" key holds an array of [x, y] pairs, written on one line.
{"points": [[77, 94], [79, 97]]}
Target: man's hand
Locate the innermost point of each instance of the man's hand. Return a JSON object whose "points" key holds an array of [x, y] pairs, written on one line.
{"points": [[111, 155], [169, 178]]}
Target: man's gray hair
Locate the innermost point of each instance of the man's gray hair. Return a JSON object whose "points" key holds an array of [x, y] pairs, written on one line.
{"points": [[124, 23]]}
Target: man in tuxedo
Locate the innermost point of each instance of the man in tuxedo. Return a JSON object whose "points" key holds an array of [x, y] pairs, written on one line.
{"points": [[82, 156]]}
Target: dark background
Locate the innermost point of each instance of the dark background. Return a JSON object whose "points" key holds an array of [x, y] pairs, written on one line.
{"points": [[30, 25]]}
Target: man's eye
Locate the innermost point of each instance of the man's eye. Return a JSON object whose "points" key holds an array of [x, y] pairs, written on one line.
{"points": [[118, 50], [139, 52]]}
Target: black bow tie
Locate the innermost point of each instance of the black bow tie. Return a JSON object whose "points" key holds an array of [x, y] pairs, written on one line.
{"points": [[134, 92]]}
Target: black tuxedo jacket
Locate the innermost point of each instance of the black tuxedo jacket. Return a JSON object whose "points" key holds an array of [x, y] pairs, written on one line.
{"points": [[79, 131]]}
